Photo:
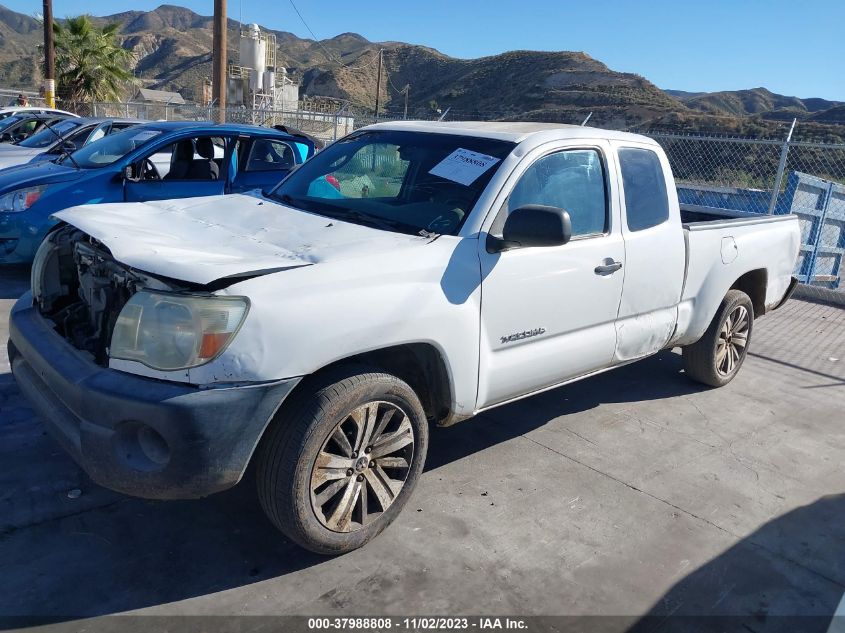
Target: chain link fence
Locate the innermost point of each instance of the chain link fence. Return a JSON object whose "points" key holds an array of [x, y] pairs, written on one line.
{"points": [[759, 176], [755, 176], [328, 126]]}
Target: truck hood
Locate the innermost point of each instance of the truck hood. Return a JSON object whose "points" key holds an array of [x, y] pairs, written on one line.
{"points": [[201, 240]]}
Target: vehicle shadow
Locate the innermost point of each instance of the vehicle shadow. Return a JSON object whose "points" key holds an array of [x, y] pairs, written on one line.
{"points": [[787, 576], [653, 378], [130, 553], [126, 554], [14, 281]]}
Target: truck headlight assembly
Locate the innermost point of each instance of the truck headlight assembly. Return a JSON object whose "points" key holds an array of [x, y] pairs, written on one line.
{"points": [[20, 199], [170, 331]]}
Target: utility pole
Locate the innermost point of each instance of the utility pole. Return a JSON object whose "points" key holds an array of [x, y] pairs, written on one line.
{"points": [[49, 57], [218, 59], [378, 81], [406, 90]]}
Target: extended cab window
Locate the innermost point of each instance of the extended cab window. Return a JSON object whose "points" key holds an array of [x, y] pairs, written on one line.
{"points": [[572, 180], [646, 200]]}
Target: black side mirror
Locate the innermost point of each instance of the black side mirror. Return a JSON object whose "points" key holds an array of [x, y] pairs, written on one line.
{"points": [[129, 173], [533, 225], [69, 147], [5, 137]]}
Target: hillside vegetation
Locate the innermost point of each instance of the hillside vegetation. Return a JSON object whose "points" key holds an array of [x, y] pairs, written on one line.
{"points": [[171, 47]]}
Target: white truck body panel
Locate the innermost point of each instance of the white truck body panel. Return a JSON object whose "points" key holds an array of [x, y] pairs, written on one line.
{"points": [[554, 289], [653, 275], [328, 289], [719, 253], [204, 239]]}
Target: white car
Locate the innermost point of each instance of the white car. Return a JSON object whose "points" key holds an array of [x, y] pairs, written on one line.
{"points": [[408, 273], [10, 110], [60, 137]]}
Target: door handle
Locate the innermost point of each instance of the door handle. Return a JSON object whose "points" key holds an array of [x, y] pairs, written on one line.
{"points": [[608, 269]]}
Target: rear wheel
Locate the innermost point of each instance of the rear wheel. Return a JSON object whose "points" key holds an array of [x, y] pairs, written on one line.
{"points": [[341, 461], [717, 356]]}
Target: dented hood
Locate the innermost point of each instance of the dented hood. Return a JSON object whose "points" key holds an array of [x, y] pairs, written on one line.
{"points": [[201, 240]]}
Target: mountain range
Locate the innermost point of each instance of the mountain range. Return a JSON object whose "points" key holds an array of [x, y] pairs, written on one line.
{"points": [[172, 51]]}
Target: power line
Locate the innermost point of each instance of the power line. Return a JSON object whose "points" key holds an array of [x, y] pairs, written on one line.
{"points": [[306, 25], [329, 54], [392, 85]]}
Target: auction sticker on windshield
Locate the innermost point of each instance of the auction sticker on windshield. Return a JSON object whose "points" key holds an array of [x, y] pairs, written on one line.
{"points": [[463, 166]]}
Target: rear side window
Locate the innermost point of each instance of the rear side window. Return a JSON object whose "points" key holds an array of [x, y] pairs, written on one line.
{"points": [[646, 200]]}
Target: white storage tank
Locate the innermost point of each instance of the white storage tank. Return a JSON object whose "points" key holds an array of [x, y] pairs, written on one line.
{"points": [[269, 81], [253, 55]]}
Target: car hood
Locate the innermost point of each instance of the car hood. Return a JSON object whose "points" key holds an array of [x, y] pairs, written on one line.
{"points": [[8, 148], [201, 240], [17, 156], [43, 173]]}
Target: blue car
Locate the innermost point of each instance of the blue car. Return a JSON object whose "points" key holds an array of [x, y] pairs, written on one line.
{"points": [[155, 161]]}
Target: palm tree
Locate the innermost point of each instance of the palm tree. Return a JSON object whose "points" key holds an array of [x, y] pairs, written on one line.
{"points": [[90, 63]]}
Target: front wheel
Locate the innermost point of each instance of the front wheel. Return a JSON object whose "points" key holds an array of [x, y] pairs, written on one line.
{"points": [[717, 356], [341, 460]]}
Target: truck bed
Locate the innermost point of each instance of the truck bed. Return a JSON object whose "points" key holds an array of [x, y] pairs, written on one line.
{"points": [[695, 217], [724, 245]]}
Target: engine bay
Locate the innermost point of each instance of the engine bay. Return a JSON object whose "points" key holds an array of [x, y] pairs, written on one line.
{"points": [[81, 289]]}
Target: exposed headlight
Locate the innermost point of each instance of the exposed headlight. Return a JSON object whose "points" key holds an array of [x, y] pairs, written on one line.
{"points": [[21, 199], [169, 331]]}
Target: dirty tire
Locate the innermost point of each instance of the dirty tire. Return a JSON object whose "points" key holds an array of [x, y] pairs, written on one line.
{"points": [[288, 454], [703, 361]]}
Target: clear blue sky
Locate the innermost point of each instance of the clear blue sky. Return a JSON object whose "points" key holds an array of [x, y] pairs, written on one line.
{"points": [[794, 48]]}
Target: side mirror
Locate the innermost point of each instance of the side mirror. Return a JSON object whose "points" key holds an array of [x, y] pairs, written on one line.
{"points": [[5, 137], [69, 147], [129, 173], [533, 225]]}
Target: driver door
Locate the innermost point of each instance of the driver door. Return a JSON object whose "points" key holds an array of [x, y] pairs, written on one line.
{"points": [[548, 313], [153, 175]]}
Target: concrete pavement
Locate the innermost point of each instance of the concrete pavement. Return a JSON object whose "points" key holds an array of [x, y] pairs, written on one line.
{"points": [[636, 492]]}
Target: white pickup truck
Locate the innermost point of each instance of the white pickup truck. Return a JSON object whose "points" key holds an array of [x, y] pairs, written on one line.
{"points": [[409, 273]]}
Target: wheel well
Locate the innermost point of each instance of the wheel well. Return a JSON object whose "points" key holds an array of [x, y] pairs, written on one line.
{"points": [[753, 283], [419, 364]]}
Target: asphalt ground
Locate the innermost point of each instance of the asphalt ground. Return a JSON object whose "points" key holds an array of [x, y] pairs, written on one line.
{"points": [[634, 493]]}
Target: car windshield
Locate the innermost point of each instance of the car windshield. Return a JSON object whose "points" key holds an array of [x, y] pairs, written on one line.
{"points": [[48, 136], [9, 121], [114, 147], [412, 182]]}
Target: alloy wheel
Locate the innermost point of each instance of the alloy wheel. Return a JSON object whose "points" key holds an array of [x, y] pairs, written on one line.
{"points": [[733, 340], [362, 466]]}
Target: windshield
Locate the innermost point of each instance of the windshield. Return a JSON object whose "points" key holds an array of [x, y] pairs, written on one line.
{"points": [[9, 121], [48, 137], [396, 180], [114, 147]]}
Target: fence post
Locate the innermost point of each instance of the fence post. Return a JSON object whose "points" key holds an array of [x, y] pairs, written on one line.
{"points": [[781, 167], [334, 133]]}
